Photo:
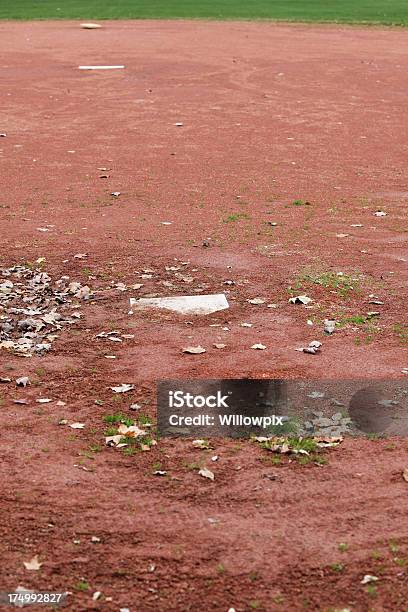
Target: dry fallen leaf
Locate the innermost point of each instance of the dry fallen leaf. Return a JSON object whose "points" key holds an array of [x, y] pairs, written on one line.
{"points": [[313, 348], [115, 441], [329, 326], [368, 578], [300, 299], [131, 431], [194, 350], [77, 425], [405, 474], [203, 444], [259, 347], [33, 564], [205, 473], [123, 388]]}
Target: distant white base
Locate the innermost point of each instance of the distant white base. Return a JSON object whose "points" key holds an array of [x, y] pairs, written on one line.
{"points": [[185, 304], [99, 67]]}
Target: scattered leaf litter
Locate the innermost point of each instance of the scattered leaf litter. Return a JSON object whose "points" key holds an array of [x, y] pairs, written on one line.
{"points": [[284, 446]]}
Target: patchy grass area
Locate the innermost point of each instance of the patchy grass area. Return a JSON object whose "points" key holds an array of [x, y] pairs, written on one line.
{"points": [[340, 283], [392, 12]]}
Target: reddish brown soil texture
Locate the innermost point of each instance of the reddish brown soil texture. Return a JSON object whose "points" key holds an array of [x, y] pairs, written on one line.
{"points": [[270, 114]]}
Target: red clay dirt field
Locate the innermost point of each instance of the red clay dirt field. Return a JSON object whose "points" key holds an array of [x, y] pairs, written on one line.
{"points": [[258, 160]]}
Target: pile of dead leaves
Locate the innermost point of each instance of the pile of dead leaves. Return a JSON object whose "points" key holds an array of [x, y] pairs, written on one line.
{"points": [[33, 308]]}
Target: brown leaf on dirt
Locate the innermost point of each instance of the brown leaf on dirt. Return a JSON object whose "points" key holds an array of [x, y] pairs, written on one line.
{"points": [[77, 425], [205, 473], [300, 299], [368, 578], [203, 444], [193, 350], [329, 326], [328, 442], [312, 349], [405, 474], [33, 564], [123, 388], [114, 441], [132, 431]]}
